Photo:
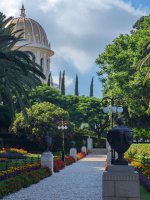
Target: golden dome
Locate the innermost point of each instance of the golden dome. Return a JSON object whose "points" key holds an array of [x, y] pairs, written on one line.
{"points": [[34, 34]]}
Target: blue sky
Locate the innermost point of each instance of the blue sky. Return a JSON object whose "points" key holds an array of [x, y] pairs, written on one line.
{"points": [[79, 31]]}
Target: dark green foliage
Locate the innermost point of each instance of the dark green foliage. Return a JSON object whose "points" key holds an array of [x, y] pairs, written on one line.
{"points": [[91, 87], [80, 109], [49, 79], [60, 80], [52, 81], [76, 87], [43, 118], [45, 93], [144, 63], [121, 76], [63, 84], [5, 117]]}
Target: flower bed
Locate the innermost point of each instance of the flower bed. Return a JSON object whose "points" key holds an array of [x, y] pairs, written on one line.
{"points": [[14, 171], [58, 165], [80, 155], [69, 160], [3, 159], [139, 156], [13, 150], [13, 153], [23, 180], [15, 178]]}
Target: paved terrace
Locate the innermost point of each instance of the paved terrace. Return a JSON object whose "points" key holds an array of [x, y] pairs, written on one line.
{"points": [[80, 181]]}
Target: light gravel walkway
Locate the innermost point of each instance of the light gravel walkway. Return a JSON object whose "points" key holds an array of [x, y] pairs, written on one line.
{"points": [[80, 181]]}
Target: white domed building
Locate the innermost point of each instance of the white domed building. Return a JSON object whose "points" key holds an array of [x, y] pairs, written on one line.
{"points": [[35, 41]]}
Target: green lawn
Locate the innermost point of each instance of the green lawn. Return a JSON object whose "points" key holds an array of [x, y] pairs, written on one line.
{"points": [[144, 194]]}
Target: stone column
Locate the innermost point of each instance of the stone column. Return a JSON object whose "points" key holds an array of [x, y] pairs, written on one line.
{"points": [[47, 160], [107, 145], [89, 144], [121, 182], [73, 153], [108, 155], [83, 149]]}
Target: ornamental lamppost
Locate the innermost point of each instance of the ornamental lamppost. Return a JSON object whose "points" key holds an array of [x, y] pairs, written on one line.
{"points": [[63, 127], [112, 105]]}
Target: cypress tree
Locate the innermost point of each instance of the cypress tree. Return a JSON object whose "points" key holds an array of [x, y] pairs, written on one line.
{"points": [[49, 79], [91, 87], [60, 80], [76, 87], [63, 84]]}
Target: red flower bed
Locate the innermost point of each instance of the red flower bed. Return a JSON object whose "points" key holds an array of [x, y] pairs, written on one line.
{"points": [[69, 160], [58, 165], [80, 155]]}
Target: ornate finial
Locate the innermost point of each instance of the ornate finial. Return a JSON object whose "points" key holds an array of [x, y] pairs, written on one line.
{"points": [[23, 11]]}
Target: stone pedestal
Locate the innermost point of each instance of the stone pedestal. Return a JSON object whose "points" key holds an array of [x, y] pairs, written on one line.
{"points": [[73, 153], [83, 149], [47, 160], [89, 144], [108, 156], [121, 182], [107, 145]]}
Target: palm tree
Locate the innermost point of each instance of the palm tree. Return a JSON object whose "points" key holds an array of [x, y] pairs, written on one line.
{"points": [[18, 72], [145, 62]]}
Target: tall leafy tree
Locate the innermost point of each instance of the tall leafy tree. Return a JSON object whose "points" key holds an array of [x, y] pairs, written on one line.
{"points": [[43, 118], [76, 86], [45, 93], [63, 84], [91, 87], [145, 62], [18, 72], [81, 109], [119, 71]]}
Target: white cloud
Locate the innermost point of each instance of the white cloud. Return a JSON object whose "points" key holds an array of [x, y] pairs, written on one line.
{"points": [[68, 80], [78, 30], [47, 4], [83, 28], [79, 58], [10, 7]]}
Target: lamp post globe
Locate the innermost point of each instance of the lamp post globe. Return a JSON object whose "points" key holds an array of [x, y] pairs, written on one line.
{"points": [[111, 107], [63, 127]]}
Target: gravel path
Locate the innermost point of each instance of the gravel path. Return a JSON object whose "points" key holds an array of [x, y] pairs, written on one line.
{"points": [[80, 181]]}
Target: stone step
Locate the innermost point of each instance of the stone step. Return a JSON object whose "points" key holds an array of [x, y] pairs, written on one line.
{"points": [[99, 151]]}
